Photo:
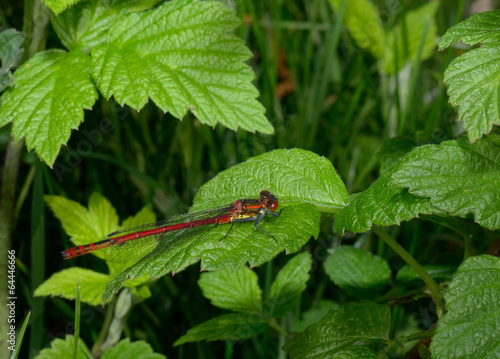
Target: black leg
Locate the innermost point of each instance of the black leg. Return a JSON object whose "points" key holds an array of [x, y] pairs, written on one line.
{"points": [[227, 234], [260, 229]]}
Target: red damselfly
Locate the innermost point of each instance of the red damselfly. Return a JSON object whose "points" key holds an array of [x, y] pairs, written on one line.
{"points": [[133, 243]]}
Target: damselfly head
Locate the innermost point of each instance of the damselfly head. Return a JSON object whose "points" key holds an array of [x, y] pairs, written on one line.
{"points": [[270, 201]]}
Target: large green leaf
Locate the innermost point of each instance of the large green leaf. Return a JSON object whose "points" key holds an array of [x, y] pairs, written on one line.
{"points": [[363, 21], [460, 178], [472, 81], [482, 27], [470, 328], [300, 178], [288, 286], [135, 350], [238, 291], [360, 273], [63, 348], [382, 204], [47, 101], [291, 175], [182, 56], [10, 55], [416, 22], [86, 226], [63, 284], [347, 332], [237, 326], [86, 24]]}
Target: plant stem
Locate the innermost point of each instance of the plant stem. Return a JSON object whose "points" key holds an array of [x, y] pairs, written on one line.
{"points": [[274, 324], [437, 296], [9, 180]]}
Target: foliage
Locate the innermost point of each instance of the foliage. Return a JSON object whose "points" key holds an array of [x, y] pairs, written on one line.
{"points": [[385, 207], [203, 71], [472, 78]]}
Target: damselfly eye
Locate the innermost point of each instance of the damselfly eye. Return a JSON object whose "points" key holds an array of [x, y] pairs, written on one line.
{"points": [[273, 206]]}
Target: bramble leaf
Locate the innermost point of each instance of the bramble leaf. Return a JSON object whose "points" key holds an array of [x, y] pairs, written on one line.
{"points": [[236, 326], [348, 332], [291, 174], [182, 56], [125, 349], [483, 27], [472, 81], [63, 348], [63, 284], [470, 327], [50, 92], [360, 273], [288, 286], [460, 178], [86, 24], [238, 291]]}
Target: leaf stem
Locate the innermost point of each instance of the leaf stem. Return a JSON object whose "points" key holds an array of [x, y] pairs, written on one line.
{"points": [[274, 324], [429, 281]]}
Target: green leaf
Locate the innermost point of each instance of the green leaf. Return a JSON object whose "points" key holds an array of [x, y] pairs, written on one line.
{"points": [[472, 81], [482, 27], [470, 327], [10, 55], [363, 21], [237, 326], [63, 348], [238, 291], [344, 333], [58, 6], [314, 314], [182, 56], [47, 101], [382, 204], [460, 178], [124, 349], [288, 286], [415, 23], [63, 284], [86, 24], [82, 225], [293, 173], [362, 274]]}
